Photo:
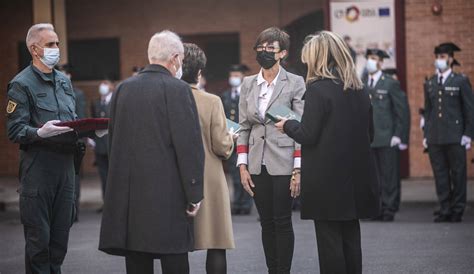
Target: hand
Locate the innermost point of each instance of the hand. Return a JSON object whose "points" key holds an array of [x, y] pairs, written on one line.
{"points": [[91, 142], [193, 209], [246, 180], [402, 146], [50, 130], [101, 132], [235, 135], [295, 184], [422, 122], [395, 141], [425, 143], [466, 142], [281, 124]]}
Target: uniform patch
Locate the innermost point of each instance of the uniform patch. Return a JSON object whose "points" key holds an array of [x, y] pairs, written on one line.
{"points": [[11, 106]]}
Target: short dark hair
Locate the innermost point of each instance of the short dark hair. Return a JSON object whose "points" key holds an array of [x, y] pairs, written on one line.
{"points": [[273, 34], [194, 61]]}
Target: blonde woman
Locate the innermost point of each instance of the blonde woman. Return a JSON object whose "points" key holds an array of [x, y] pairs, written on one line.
{"points": [[213, 223], [338, 181]]}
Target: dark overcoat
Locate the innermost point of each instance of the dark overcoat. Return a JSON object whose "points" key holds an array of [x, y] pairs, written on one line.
{"points": [[338, 176], [156, 166]]}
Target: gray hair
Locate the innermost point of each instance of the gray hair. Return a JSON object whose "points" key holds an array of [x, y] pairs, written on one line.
{"points": [[163, 45], [33, 33]]}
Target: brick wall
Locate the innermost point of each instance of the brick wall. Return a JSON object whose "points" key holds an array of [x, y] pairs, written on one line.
{"points": [[423, 31]]}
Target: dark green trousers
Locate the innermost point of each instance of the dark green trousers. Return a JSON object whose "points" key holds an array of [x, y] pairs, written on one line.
{"points": [[449, 169], [388, 168], [46, 208]]}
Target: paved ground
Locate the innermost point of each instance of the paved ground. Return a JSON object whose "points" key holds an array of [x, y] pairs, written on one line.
{"points": [[412, 244]]}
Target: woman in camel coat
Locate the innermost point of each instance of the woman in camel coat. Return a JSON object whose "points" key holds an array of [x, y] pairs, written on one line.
{"points": [[213, 223]]}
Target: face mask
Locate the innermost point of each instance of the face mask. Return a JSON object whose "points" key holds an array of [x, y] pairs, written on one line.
{"points": [[50, 57], [441, 64], [371, 66], [104, 89], [266, 59], [179, 72], [235, 81]]}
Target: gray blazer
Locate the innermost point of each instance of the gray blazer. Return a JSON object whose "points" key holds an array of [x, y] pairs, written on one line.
{"points": [[259, 137]]}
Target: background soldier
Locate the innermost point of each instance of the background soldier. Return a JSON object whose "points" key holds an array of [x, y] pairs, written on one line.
{"points": [[242, 202], [39, 97], [448, 129], [390, 123], [81, 114]]}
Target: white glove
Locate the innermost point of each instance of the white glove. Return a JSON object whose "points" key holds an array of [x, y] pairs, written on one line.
{"points": [[402, 146], [235, 135], [395, 141], [422, 122], [50, 130], [101, 132], [91, 142], [466, 142], [425, 143], [195, 209]]}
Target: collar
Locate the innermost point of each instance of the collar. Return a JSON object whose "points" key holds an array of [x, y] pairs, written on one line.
{"points": [[444, 74], [376, 76], [237, 89], [42, 74], [155, 68], [261, 80]]}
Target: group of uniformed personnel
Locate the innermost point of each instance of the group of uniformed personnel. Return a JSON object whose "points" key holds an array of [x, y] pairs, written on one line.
{"points": [[448, 126]]}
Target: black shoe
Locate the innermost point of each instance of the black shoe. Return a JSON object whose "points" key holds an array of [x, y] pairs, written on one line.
{"points": [[388, 218], [456, 218], [442, 219], [378, 218], [235, 211], [436, 212]]}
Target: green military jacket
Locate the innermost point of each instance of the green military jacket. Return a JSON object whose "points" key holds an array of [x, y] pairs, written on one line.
{"points": [[390, 111], [449, 109], [35, 98]]}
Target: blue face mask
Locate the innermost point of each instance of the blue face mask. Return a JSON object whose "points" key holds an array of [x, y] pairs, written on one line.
{"points": [[441, 64], [371, 66], [50, 57]]}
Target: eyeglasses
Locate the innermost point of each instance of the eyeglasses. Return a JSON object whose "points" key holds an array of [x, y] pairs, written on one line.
{"points": [[269, 48]]}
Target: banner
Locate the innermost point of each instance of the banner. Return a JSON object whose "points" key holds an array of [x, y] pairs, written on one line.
{"points": [[369, 24]]}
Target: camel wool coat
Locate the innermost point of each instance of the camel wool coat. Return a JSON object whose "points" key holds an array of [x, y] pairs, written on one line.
{"points": [[213, 223]]}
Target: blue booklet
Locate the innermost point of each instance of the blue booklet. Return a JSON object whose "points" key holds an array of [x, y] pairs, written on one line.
{"points": [[281, 111], [232, 126]]}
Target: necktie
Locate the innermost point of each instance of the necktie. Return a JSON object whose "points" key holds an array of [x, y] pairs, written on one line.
{"points": [[371, 82], [441, 80]]}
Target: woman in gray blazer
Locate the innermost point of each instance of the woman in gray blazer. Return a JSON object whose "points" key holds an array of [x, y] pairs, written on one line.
{"points": [[269, 160]]}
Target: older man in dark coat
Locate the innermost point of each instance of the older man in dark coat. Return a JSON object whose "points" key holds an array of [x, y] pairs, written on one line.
{"points": [[155, 181]]}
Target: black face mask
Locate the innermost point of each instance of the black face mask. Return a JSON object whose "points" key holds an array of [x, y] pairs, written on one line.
{"points": [[266, 59]]}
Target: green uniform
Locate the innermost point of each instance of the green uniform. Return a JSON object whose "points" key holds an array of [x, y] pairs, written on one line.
{"points": [[46, 165], [449, 115], [390, 119]]}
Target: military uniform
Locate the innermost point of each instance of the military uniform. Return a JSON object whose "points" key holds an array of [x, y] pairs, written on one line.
{"points": [[390, 119], [46, 165], [242, 200], [449, 115], [100, 109]]}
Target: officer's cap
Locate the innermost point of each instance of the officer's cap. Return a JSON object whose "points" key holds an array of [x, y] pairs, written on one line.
{"points": [[448, 47], [380, 53]]}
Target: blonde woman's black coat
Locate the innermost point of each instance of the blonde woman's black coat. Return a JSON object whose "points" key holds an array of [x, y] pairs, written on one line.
{"points": [[338, 178]]}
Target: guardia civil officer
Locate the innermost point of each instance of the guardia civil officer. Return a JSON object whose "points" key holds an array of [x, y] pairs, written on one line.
{"points": [[39, 97], [448, 129], [242, 203], [389, 109]]}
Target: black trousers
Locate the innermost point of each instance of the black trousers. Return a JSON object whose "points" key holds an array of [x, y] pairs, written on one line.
{"points": [[46, 208], [242, 200], [449, 168], [386, 159], [273, 201], [102, 161], [339, 247], [142, 263]]}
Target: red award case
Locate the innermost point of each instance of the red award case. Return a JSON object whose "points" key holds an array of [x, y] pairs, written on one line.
{"points": [[88, 124]]}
